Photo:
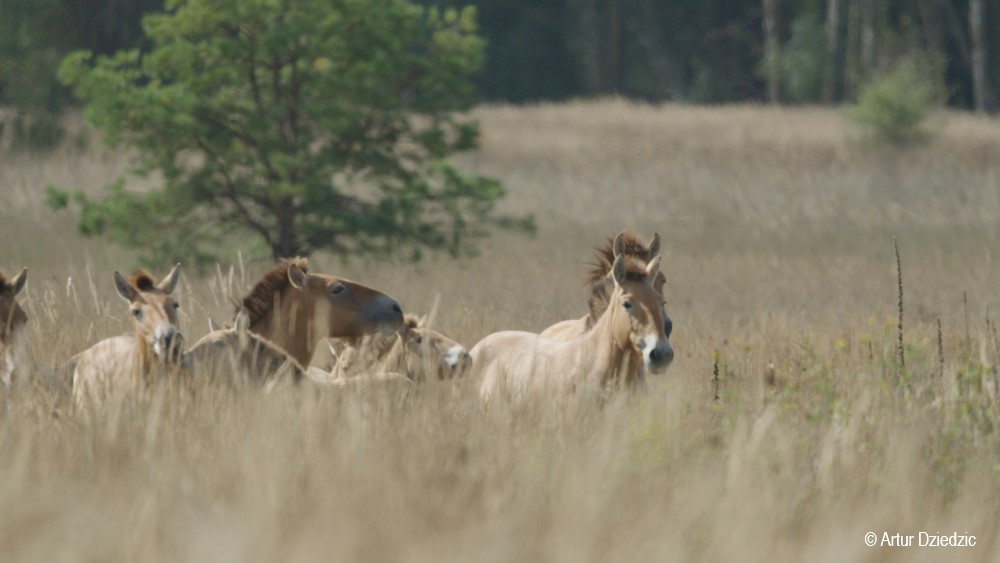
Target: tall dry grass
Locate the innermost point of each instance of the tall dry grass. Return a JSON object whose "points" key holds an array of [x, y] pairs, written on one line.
{"points": [[777, 232]]}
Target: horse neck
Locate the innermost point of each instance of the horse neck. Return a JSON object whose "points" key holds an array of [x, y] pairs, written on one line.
{"points": [[289, 326], [141, 352], [611, 358]]}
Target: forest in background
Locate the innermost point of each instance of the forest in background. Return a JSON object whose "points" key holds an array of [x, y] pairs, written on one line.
{"points": [[693, 51]]}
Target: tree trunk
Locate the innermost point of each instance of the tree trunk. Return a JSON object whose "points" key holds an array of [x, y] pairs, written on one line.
{"points": [[980, 89], [286, 243], [771, 60], [868, 11], [832, 50], [590, 44]]}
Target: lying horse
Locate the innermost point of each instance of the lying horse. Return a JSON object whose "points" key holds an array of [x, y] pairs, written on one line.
{"points": [[118, 364], [414, 351]]}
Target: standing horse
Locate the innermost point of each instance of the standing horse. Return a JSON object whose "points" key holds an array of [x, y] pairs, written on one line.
{"points": [[295, 309], [12, 321], [119, 364], [626, 243], [626, 332], [414, 350], [242, 356]]}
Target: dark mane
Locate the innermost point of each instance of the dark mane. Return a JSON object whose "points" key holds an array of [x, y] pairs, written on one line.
{"points": [[605, 255], [600, 290], [261, 298], [142, 280], [3, 281]]}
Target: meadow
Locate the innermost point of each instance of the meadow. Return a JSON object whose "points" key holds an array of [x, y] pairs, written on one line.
{"points": [[785, 430]]}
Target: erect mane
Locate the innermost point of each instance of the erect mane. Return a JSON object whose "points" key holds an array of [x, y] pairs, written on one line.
{"points": [[142, 280], [600, 290], [605, 255], [261, 298]]}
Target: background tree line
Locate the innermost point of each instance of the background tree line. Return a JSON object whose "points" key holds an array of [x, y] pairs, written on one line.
{"points": [[698, 51]]}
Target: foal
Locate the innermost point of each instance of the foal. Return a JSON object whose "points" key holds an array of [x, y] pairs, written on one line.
{"points": [[626, 332], [120, 363], [414, 350]]}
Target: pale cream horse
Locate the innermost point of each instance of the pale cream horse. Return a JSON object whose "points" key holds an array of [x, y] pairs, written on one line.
{"points": [[295, 310], [12, 321], [415, 351], [626, 333], [237, 356], [118, 365], [626, 243]]}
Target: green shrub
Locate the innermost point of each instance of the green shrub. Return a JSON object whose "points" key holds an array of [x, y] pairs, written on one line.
{"points": [[893, 107]]}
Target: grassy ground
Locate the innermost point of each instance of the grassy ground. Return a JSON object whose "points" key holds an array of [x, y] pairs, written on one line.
{"points": [[777, 233]]}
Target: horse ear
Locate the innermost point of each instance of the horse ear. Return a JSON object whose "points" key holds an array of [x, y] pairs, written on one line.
{"points": [[422, 321], [653, 268], [297, 277], [659, 282], [618, 270], [654, 245], [242, 325], [18, 282], [212, 327], [619, 244], [124, 288], [169, 282]]}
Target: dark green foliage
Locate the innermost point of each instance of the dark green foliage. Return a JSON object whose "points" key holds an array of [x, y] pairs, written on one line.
{"points": [[310, 124]]}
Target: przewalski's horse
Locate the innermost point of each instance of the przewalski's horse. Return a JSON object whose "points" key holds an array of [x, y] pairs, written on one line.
{"points": [[626, 243], [240, 356], [12, 321], [119, 364], [415, 351], [626, 333], [295, 310]]}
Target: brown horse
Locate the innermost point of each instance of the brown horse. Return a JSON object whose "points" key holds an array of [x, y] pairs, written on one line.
{"points": [[626, 243], [414, 350], [12, 321], [626, 331], [295, 309], [118, 364]]}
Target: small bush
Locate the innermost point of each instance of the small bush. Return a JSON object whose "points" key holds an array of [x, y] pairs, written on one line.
{"points": [[894, 106]]}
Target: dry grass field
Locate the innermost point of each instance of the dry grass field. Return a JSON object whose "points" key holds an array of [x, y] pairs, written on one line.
{"points": [[777, 230]]}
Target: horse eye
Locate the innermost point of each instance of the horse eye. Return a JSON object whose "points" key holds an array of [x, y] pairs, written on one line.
{"points": [[419, 340], [337, 289], [627, 304], [137, 313], [176, 305]]}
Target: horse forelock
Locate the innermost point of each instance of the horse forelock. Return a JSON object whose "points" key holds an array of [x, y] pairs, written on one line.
{"points": [[601, 289], [604, 256], [260, 300], [142, 280]]}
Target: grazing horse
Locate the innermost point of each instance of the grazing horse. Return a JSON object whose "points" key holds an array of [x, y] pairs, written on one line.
{"points": [[242, 355], [414, 350], [295, 309], [119, 364], [626, 243], [626, 332], [12, 321]]}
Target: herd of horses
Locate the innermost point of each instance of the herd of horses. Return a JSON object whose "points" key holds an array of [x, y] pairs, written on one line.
{"points": [[291, 311]]}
